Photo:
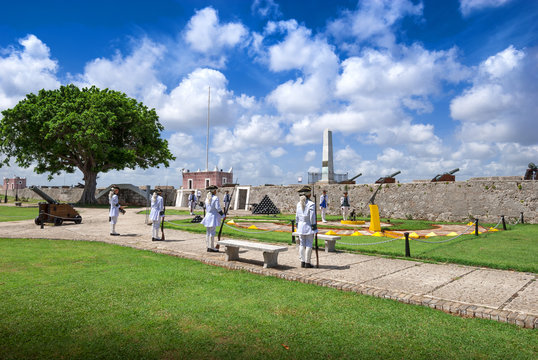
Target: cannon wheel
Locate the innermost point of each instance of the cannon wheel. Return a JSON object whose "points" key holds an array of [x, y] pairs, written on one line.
{"points": [[58, 221], [37, 220], [78, 219]]}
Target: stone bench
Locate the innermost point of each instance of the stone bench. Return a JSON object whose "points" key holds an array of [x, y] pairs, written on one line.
{"points": [[270, 252], [330, 241]]}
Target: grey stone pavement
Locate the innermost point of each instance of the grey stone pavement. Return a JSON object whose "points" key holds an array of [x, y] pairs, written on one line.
{"points": [[469, 291]]}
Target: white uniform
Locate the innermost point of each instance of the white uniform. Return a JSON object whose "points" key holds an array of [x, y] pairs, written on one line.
{"points": [[157, 206], [114, 212], [323, 204], [305, 218], [212, 219], [344, 203]]}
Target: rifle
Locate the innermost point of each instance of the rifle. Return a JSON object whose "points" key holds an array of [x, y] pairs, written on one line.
{"points": [[162, 218], [225, 214], [316, 219]]}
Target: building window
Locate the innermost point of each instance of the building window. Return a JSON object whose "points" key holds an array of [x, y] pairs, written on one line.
{"points": [[224, 180], [207, 183], [190, 183]]}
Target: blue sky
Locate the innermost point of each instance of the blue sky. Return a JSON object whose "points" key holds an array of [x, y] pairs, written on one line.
{"points": [[417, 86]]}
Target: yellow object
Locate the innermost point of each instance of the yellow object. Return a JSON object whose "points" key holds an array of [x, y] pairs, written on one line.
{"points": [[252, 227], [356, 233], [377, 234], [493, 229], [352, 222], [431, 234], [231, 222], [330, 232], [375, 222], [414, 235], [452, 234], [470, 223]]}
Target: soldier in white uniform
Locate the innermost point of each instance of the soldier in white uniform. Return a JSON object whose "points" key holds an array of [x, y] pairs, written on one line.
{"points": [[115, 209], [344, 204], [212, 217], [323, 204], [156, 214], [192, 202], [305, 218]]}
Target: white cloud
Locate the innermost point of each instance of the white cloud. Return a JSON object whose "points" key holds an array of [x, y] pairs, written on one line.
{"points": [[373, 21], [186, 107], [314, 57], [266, 8], [135, 74], [26, 70], [206, 35], [469, 6], [278, 152], [255, 133], [310, 155], [501, 104]]}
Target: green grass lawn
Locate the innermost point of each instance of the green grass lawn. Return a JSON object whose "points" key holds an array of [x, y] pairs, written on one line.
{"points": [[15, 213], [88, 300], [516, 248]]}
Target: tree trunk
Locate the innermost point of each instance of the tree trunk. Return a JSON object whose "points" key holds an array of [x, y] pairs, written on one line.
{"points": [[90, 184]]}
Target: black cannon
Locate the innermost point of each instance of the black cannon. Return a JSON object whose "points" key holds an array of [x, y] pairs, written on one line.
{"points": [[350, 181], [448, 176], [389, 179], [531, 173], [54, 212]]}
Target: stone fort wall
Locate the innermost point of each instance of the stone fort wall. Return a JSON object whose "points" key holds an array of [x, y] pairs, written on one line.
{"points": [[486, 199]]}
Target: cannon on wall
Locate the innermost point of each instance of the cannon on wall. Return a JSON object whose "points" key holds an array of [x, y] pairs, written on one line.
{"points": [[54, 212], [448, 176], [389, 179], [350, 181], [531, 173]]}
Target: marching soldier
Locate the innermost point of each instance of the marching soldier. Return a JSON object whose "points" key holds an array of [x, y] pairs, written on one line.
{"points": [[156, 214], [115, 209], [212, 217], [192, 202], [344, 204], [305, 218], [323, 205]]}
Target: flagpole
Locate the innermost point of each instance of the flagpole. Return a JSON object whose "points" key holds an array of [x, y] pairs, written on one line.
{"points": [[207, 141]]}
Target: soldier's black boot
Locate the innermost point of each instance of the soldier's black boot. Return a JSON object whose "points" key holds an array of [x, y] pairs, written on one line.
{"points": [[308, 265], [302, 264]]}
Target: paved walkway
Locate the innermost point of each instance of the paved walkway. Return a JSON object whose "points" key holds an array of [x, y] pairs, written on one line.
{"points": [[501, 295]]}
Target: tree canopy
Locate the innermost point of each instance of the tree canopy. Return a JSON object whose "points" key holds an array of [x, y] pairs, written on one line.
{"points": [[88, 129]]}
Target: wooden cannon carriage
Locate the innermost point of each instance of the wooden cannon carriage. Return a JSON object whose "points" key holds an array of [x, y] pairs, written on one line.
{"points": [[54, 212]]}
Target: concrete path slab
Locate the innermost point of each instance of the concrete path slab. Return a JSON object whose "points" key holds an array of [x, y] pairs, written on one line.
{"points": [[485, 287], [505, 296]]}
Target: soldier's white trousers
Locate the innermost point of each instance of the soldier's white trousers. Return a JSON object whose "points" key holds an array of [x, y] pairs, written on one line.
{"points": [[210, 236], [113, 221], [345, 211], [323, 212], [155, 230]]}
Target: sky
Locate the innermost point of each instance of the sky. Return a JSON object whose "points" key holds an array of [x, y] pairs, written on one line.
{"points": [[422, 87]]}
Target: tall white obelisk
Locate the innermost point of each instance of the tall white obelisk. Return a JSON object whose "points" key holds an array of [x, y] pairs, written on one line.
{"points": [[327, 168]]}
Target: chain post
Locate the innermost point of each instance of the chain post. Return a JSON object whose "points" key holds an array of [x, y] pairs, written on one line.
{"points": [[407, 249], [292, 231], [504, 222], [476, 227]]}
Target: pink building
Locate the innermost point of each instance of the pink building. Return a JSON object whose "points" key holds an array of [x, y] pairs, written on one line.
{"points": [[14, 183], [202, 179]]}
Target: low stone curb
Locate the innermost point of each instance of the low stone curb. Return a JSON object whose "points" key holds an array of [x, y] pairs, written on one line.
{"points": [[449, 307]]}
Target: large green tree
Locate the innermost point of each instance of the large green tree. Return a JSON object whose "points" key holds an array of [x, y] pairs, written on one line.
{"points": [[88, 129]]}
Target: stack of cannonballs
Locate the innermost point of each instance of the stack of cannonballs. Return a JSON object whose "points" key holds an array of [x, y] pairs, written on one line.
{"points": [[266, 207]]}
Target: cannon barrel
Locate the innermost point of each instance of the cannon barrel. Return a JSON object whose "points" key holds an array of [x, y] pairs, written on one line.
{"points": [[393, 175], [354, 177], [451, 172], [43, 195]]}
